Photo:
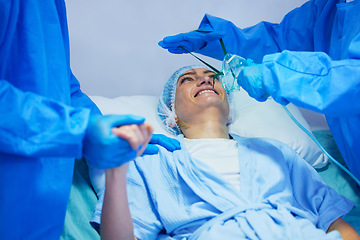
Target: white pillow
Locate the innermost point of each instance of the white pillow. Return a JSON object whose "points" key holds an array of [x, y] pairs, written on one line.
{"points": [[269, 119], [254, 119]]}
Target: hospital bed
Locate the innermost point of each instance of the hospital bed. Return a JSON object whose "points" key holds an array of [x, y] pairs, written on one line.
{"points": [[253, 119]]}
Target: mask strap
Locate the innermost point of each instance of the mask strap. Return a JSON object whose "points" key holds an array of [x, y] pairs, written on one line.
{"points": [[223, 46], [218, 73], [207, 64]]}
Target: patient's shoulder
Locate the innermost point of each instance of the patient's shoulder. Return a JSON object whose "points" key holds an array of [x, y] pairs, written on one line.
{"points": [[260, 141], [268, 146]]}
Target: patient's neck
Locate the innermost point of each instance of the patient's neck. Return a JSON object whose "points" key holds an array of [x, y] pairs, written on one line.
{"points": [[205, 129]]}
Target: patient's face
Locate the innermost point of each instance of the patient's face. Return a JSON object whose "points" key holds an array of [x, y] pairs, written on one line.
{"points": [[195, 93]]}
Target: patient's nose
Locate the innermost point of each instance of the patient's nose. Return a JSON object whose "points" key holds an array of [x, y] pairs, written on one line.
{"points": [[205, 80]]}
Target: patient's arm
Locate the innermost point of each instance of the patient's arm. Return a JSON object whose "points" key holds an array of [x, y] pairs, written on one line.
{"points": [[347, 232], [116, 221]]}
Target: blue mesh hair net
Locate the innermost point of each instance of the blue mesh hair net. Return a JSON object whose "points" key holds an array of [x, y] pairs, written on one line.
{"points": [[166, 109]]}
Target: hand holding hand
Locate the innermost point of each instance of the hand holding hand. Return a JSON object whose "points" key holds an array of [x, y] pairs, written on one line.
{"points": [[138, 136], [102, 148]]}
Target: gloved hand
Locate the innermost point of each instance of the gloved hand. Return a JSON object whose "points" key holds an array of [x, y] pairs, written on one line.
{"points": [[191, 41], [251, 80], [170, 144], [101, 147]]}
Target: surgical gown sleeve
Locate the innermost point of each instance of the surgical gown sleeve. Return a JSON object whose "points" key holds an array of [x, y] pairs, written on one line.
{"points": [[314, 81], [80, 99], [295, 32], [32, 125]]}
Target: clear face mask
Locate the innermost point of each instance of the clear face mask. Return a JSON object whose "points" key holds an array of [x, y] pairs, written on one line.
{"points": [[231, 68]]}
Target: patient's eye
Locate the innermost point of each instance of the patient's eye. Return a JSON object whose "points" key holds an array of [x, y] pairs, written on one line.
{"points": [[185, 79]]}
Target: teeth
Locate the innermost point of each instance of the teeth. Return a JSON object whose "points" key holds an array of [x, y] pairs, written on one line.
{"points": [[206, 91]]}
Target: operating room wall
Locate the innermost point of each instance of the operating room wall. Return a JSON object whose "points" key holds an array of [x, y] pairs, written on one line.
{"points": [[114, 50]]}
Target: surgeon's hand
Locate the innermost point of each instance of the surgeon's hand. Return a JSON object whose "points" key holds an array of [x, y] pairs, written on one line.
{"points": [[102, 148], [251, 80], [170, 144], [191, 41]]}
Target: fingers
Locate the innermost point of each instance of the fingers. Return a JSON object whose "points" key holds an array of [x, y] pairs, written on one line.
{"points": [[173, 47], [177, 50], [169, 143], [137, 135], [191, 37], [250, 62], [211, 36], [120, 120], [147, 131], [151, 149], [172, 41], [131, 133], [191, 41]]}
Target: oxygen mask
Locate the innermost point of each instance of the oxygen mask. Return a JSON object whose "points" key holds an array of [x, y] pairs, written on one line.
{"points": [[231, 68]]}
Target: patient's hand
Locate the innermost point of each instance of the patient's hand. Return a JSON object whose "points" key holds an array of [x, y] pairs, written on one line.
{"points": [[116, 221], [138, 136]]}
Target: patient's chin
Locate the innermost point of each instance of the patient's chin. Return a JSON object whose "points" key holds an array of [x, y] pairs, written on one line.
{"points": [[212, 101]]}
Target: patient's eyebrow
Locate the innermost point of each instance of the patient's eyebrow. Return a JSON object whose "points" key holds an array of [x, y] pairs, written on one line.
{"points": [[208, 71], [187, 73]]}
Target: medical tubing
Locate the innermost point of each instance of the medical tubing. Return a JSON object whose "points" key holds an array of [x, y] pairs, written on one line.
{"points": [[320, 146]]}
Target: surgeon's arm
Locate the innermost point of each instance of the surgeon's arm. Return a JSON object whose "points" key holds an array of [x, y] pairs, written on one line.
{"points": [[116, 221], [314, 81], [294, 32], [32, 125], [346, 231]]}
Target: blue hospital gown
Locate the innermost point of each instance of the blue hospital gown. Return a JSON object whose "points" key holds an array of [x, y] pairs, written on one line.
{"points": [[282, 197]]}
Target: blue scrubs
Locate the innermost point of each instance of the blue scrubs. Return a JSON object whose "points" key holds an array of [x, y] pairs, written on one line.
{"points": [[312, 59], [43, 119]]}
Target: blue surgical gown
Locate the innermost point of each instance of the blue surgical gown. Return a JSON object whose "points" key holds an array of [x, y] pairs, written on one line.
{"points": [[174, 196], [43, 119], [312, 59]]}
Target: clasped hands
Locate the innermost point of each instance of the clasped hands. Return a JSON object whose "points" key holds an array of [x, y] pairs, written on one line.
{"points": [[112, 140]]}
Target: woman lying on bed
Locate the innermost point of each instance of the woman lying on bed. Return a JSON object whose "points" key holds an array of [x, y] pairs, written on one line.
{"points": [[219, 185]]}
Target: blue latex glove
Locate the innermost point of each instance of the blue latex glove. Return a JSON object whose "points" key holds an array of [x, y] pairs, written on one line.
{"points": [[170, 144], [191, 41], [251, 80], [101, 147]]}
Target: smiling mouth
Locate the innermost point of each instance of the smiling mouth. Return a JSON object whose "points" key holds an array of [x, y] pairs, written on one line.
{"points": [[206, 91]]}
